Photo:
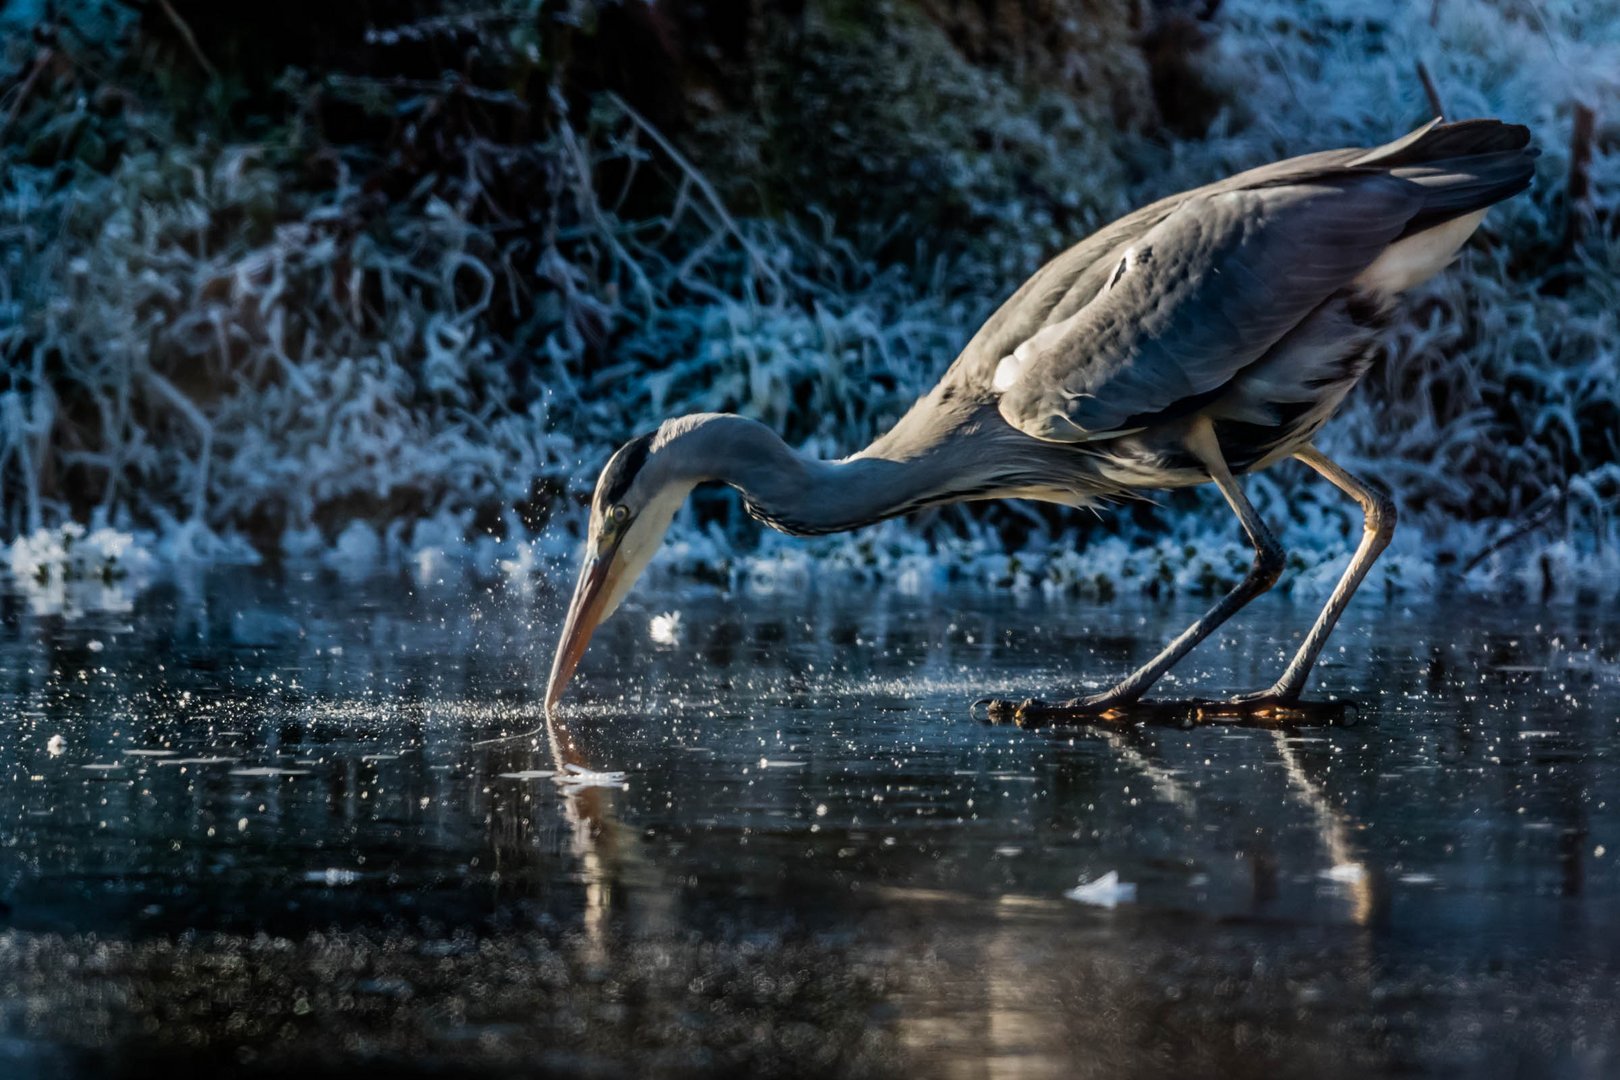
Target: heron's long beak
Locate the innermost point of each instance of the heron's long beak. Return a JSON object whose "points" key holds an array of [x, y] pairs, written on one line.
{"points": [[596, 580]]}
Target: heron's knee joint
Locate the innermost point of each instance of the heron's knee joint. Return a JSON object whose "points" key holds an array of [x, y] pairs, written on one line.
{"points": [[1381, 512], [1268, 566]]}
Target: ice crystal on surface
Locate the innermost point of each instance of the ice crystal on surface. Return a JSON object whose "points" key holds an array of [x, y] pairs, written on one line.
{"points": [[577, 778], [665, 629], [1106, 891]]}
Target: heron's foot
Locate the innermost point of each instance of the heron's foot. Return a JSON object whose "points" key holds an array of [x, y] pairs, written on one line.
{"points": [[1270, 706], [1032, 712]]}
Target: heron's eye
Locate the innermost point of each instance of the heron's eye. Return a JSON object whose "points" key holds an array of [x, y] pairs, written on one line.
{"points": [[620, 514]]}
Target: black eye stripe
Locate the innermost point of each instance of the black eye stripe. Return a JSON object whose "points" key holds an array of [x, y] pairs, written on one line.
{"points": [[621, 471]]}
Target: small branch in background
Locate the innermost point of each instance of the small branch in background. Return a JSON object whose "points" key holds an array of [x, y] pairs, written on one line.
{"points": [[439, 26], [1436, 106], [25, 88], [189, 38], [1537, 516], [1578, 197], [1434, 14], [1599, 486], [761, 265]]}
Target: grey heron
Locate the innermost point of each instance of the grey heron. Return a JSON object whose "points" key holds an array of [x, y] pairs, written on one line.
{"points": [[1208, 335]]}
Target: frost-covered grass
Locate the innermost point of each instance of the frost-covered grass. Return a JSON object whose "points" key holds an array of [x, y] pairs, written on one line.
{"points": [[214, 344], [69, 570], [68, 554]]}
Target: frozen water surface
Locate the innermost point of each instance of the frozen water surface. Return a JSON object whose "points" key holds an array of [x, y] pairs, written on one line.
{"points": [[260, 829]]}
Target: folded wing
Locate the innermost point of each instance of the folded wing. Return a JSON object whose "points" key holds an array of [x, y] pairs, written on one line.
{"points": [[1198, 297]]}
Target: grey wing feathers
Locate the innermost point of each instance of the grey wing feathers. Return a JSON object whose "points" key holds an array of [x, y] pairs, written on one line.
{"points": [[1473, 161], [1204, 293]]}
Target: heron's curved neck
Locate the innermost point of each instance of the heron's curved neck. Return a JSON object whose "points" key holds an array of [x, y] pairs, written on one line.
{"points": [[797, 493]]}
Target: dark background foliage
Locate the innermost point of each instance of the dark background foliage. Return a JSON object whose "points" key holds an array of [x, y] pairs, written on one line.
{"points": [[273, 269]]}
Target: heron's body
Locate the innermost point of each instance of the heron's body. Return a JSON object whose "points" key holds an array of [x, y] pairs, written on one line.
{"points": [[1207, 335]]}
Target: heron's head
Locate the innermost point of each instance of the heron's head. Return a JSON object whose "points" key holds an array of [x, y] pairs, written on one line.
{"points": [[640, 488]]}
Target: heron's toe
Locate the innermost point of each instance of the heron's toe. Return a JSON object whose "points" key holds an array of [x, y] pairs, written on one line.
{"points": [[1268, 706], [1082, 709], [997, 710], [1024, 713]]}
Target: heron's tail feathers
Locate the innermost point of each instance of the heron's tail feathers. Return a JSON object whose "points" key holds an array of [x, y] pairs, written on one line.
{"points": [[1438, 140], [1463, 169]]}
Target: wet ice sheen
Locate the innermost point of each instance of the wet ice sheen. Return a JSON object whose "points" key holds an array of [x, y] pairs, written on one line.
{"points": [[780, 841]]}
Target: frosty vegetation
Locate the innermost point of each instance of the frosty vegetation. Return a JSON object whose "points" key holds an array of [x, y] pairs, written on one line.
{"points": [[394, 303]]}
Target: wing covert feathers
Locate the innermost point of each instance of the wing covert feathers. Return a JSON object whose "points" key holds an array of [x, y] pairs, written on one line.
{"points": [[1173, 301], [1208, 291]]}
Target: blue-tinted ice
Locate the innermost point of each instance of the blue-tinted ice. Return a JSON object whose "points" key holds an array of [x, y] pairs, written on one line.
{"points": [[251, 824]]}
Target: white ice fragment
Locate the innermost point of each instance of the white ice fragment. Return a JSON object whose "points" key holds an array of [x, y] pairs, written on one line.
{"points": [[102, 766], [269, 771], [578, 777], [198, 761], [94, 646], [1417, 879], [529, 774], [333, 876], [149, 753], [665, 629], [1345, 873], [1107, 891], [56, 746], [781, 763]]}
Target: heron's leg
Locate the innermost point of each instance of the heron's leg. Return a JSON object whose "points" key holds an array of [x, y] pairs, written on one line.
{"points": [[1377, 529], [1268, 564]]}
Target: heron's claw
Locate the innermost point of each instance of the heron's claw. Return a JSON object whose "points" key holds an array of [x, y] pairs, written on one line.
{"points": [[1032, 712]]}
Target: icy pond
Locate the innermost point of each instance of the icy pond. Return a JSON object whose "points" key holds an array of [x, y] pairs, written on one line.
{"points": [[251, 826]]}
